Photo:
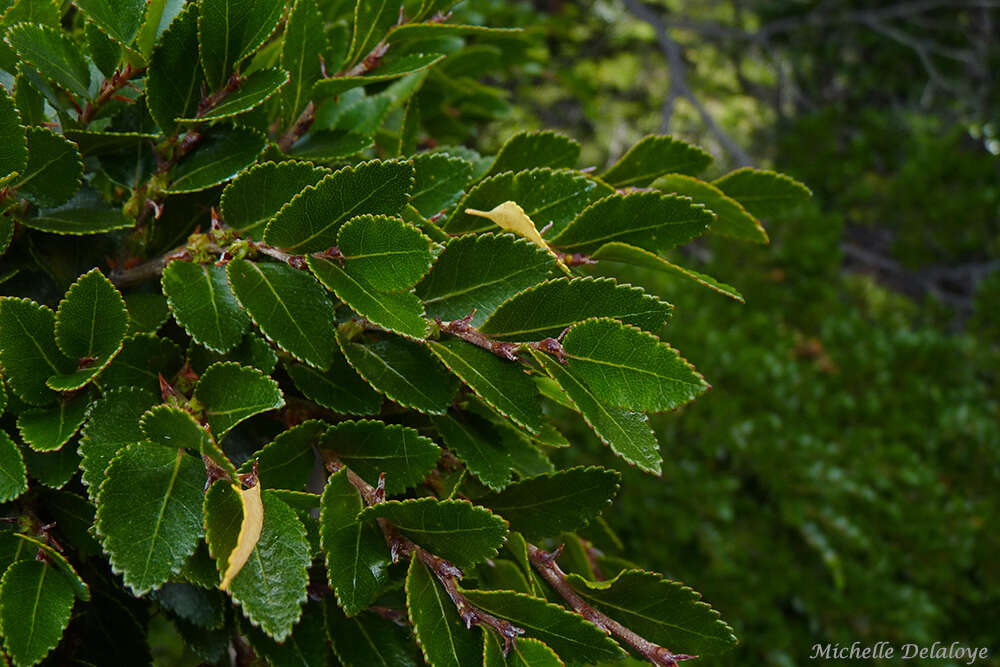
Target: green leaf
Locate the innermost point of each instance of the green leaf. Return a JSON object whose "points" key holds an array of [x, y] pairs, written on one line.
{"points": [[53, 55], [194, 604], [405, 372], [481, 272], [627, 433], [327, 145], [763, 193], [547, 309], [35, 605], [386, 252], [427, 30], [646, 219], [112, 423], [301, 47], [13, 140], [107, 143], [149, 513], [255, 196], [28, 350], [566, 633], [626, 254], [662, 611], [202, 303], [376, 187], [306, 647], [443, 636], [54, 169], [120, 19], [372, 20], [368, 640], [527, 150], [175, 78], [74, 515], [79, 221], [252, 351], [653, 157], [502, 384], [731, 220], [143, 358], [526, 653], [230, 393], [220, 156], [339, 388], [478, 445], [548, 196], [52, 469], [357, 559], [547, 505], [158, 15], [230, 31], [13, 474], [271, 587], [146, 312], [394, 69], [456, 530], [172, 427], [288, 306], [372, 447], [56, 559], [439, 181], [256, 89], [287, 461], [48, 429], [91, 320], [400, 312], [630, 368]]}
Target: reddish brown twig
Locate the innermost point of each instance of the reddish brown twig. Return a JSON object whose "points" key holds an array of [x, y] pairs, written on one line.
{"points": [[462, 328], [108, 91]]}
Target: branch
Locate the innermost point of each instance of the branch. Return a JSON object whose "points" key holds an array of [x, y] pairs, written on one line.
{"points": [[463, 329], [544, 563], [109, 87]]}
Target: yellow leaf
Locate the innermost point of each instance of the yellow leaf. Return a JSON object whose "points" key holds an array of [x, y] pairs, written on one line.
{"points": [[253, 521], [511, 217]]}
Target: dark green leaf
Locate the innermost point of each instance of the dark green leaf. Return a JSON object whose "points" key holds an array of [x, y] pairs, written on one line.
{"points": [[400, 312], [763, 193], [406, 372], [443, 636], [627, 433], [57, 560], [301, 47], [567, 633], [91, 320], [526, 653], [231, 30], [328, 145], [481, 272], [219, 157], [54, 169], [630, 368], [731, 220], [439, 181], [28, 350], [159, 14], [622, 252], [288, 306], [478, 445], [255, 196], [287, 462], [271, 587], [149, 513], [547, 505], [357, 559], [456, 530], [13, 140], [229, 393], [547, 309], [192, 603], [368, 640], [112, 423], [662, 611], [306, 647], [252, 351], [371, 447], [646, 219], [35, 605], [339, 389], [52, 469], [651, 158], [48, 429], [53, 55], [527, 150], [252, 92], [372, 20], [172, 427], [175, 78], [106, 143], [502, 384], [386, 252], [13, 474], [74, 516], [146, 312], [79, 221], [400, 67], [120, 19], [548, 196], [202, 303], [143, 358], [310, 222]]}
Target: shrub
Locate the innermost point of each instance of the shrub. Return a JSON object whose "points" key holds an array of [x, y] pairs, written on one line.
{"points": [[306, 402]]}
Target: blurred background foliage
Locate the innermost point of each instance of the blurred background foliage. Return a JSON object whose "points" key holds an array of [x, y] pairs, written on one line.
{"points": [[840, 483]]}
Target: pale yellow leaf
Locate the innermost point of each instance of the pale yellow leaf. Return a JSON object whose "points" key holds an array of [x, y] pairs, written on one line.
{"points": [[511, 217], [253, 521]]}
